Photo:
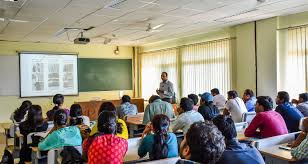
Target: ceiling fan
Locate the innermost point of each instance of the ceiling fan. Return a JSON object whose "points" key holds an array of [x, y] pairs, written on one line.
{"points": [[66, 29], [149, 28], [13, 20]]}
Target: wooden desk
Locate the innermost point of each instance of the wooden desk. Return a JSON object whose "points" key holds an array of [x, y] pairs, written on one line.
{"points": [[133, 123], [91, 108], [274, 155]]}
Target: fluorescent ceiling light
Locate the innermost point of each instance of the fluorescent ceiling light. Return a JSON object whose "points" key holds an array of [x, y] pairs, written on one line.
{"points": [[158, 26]]}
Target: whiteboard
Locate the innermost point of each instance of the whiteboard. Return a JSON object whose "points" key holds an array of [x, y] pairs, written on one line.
{"points": [[9, 76], [44, 74]]}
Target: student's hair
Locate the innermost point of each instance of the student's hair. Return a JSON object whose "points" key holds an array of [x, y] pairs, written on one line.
{"points": [[75, 113], [226, 125], [58, 100], [22, 110], [153, 98], [60, 117], [186, 104], [304, 96], [232, 93], [160, 124], [108, 106], [107, 122], [125, 98], [249, 92], [205, 142], [194, 98], [165, 73], [215, 90], [266, 102], [34, 117], [284, 95]]}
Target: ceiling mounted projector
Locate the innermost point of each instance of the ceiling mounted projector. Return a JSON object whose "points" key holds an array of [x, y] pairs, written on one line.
{"points": [[81, 40]]}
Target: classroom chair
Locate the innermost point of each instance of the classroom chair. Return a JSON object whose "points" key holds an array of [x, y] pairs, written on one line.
{"points": [[248, 117], [241, 126], [54, 157], [276, 140], [300, 127]]}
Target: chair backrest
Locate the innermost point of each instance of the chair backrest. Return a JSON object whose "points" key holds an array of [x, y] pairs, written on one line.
{"points": [[92, 123], [276, 140], [248, 117], [13, 129], [50, 125], [300, 127], [41, 134], [241, 126], [132, 152], [54, 157]]}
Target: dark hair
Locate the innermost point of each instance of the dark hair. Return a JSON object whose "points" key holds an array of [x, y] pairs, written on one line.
{"points": [[160, 124], [153, 98], [60, 117], [266, 102], [249, 92], [108, 106], [107, 122], [226, 125], [125, 98], [215, 90], [22, 110], [75, 113], [205, 142], [194, 98], [186, 104], [284, 95], [34, 117], [232, 93], [304, 96], [58, 100], [165, 73]]}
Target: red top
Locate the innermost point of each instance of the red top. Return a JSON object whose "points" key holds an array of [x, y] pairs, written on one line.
{"points": [[106, 149], [270, 123]]}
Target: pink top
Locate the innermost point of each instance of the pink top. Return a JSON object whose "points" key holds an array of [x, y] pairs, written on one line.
{"points": [[270, 123]]}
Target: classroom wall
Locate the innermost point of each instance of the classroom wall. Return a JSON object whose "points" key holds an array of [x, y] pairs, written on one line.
{"points": [[9, 103]]}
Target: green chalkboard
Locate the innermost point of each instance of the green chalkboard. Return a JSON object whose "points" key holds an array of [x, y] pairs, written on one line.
{"points": [[104, 74]]}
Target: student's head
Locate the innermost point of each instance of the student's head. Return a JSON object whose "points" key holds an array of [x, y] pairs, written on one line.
{"points": [[107, 106], [21, 111], [282, 97], [226, 125], [25, 104], [164, 76], [303, 97], [202, 143], [263, 104], [206, 98], [215, 91], [232, 94], [58, 100], [35, 115], [186, 104], [60, 118], [153, 98], [75, 113], [125, 98], [248, 93], [194, 98], [107, 122], [160, 125]]}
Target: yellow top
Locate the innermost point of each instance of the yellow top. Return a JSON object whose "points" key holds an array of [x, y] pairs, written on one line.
{"points": [[123, 135]]}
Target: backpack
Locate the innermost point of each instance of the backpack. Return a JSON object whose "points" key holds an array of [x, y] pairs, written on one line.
{"points": [[70, 155]]}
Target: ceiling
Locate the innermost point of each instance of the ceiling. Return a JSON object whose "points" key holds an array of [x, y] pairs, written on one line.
{"points": [[126, 23]]}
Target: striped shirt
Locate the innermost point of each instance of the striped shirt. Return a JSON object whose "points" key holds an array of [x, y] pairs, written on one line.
{"points": [[301, 151]]}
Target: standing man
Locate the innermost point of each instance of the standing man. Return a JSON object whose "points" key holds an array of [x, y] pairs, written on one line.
{"points": [[166, 90]]}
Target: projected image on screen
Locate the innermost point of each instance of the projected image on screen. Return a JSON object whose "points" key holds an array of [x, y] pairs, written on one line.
{"points": [[48, 74]]}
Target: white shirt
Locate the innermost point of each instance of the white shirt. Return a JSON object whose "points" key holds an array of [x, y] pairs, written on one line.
{"points": [[236, 107], [219, 101], [185, 120]]}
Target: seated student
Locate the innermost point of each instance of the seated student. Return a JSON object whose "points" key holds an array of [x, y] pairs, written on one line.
{"points": [[187, 116], [157, 106], [197, 146], [105, 146], [266, 120], [235, 106], [76, 117], [219, 100], [108, 106], [207, 109], [20, 114], [195, 100], [127, 108], [302, 103], [161, 144], [300, 146], [33, 123], [58, 100], [61, 135], [250, 100], [239, 153], [290, 113]]}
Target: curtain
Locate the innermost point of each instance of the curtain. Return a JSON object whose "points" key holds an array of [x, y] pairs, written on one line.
{"points": [[152, 65], [206, 66]]}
